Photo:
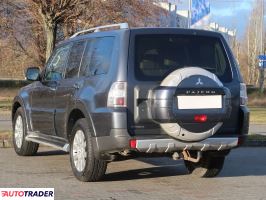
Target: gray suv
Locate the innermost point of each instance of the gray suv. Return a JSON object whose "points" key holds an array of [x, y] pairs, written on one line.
{"points": [[112, 93]]}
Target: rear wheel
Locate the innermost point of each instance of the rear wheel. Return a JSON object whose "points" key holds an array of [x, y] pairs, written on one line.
{"points": [[208, 166], [85, 166], [21, 146]]}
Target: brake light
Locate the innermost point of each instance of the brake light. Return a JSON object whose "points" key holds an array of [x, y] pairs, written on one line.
{"points": [[117, 96], [200, 118], [243, 94]]}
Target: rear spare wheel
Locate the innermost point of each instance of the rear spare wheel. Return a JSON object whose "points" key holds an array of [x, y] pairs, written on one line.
{"points": [[190, 104]]}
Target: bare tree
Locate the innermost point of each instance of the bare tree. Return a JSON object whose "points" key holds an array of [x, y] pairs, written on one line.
{"points": [[21, 39], [253, 44], [71, 15], [3, 19], [5, 16], [29, 29], [50, 13], [262, 51], [135, 12]]}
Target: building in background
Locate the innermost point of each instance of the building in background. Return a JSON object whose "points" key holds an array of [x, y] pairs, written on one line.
{"points": [[229, 35], [181, 14], [196, 15]]}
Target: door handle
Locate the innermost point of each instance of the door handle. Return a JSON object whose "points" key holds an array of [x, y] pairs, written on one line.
{"points": [[53, 88], [52, 85], [77, 86]]}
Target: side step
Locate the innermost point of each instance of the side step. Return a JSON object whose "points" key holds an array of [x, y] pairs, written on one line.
{"points": [[49, 140]]}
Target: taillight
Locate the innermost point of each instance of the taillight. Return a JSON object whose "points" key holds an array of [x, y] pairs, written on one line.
{"points": [[200, 118], [117, 96], [243, 94]]}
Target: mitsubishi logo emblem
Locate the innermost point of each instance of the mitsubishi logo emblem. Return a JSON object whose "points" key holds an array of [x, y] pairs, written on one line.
{"points": [[199, 82]]}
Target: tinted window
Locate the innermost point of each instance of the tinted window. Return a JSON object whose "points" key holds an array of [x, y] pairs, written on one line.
{"points": [[56, 65], [98, 57], [75, 56], [158, 55]]}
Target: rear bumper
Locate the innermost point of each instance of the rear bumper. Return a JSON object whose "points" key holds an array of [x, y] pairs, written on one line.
{"points": [[244, 121], [119, 140], [171, 145]]}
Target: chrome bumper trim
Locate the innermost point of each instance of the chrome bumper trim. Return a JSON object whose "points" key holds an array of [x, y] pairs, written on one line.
{"points": [[171, 145]]}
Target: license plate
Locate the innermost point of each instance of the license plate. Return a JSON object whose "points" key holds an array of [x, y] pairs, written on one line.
{"points": [[199, 102]]}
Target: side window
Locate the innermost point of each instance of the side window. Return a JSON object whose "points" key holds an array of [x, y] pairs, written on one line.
{"points": [[75, 56], [101, 55], [56, 66]]}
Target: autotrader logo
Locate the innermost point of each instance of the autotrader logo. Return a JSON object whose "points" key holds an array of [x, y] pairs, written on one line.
{"points": [[26, 193]]}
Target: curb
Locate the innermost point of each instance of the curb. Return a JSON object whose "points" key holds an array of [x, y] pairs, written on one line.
{"points": [[255, 140], [254, 143]]}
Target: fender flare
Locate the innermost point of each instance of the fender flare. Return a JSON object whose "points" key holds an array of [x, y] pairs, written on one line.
{"points": [[19, 99]]}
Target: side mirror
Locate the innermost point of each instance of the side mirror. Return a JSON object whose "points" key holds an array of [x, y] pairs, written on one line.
{"points": [[32, 74]]}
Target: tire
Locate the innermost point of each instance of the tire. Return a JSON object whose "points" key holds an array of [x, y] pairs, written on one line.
{"points": [[21, 146], [85, 166], [207, 167]]}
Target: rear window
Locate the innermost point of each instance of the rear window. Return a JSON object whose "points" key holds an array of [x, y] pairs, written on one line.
{"points": [[158, 55]]}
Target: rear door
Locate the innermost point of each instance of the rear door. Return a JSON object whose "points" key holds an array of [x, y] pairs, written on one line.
{"points": [[68, 86], [154, 54], [89, 62]]}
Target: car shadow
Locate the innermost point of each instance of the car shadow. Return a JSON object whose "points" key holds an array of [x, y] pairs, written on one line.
{"points": [[51, 153], [237, 164], [240, 162], [145, 173], [160, 168]]}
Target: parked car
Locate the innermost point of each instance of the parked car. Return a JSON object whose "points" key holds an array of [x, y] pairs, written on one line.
{"points": [[114, 92]]}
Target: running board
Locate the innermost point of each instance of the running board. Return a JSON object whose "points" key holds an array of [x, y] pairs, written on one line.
{"points": [[52, 141]]}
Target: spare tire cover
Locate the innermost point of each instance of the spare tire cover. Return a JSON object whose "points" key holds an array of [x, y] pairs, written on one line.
{"points": [[173, 80]]}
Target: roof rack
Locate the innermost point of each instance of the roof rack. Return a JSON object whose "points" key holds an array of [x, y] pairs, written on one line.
{"points": [[98, 29]]}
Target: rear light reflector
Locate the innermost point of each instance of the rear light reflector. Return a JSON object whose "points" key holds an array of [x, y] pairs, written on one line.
{"points": [[200, 118], [133, 143], [240, 141], [120, 101], [117, 96]]}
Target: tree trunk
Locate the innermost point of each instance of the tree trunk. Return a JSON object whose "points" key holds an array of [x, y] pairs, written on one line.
{"points": [[50, 27], [50, 30], [261, 81]]}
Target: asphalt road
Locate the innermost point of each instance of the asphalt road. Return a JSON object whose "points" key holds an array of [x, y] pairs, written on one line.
{"points": [[243, 177], [5, 125], [5, 122]]}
